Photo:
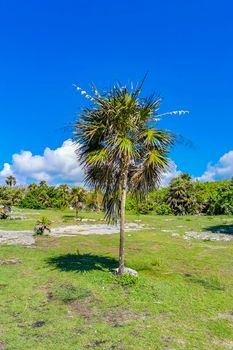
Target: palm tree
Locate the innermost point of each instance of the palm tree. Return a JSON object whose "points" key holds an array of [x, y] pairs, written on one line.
{"points": [[11, 180], [181, 196], [64, 191], [121, 149], [16, 195], [43, 184], [77, 198]]}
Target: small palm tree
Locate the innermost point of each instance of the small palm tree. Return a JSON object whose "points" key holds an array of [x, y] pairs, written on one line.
{"points": [[5, 210], [42, 225], [77, 198], [11, 180], [121, 148]]}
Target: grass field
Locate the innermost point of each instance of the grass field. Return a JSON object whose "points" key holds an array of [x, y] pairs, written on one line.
{"points": [[61, 295]]}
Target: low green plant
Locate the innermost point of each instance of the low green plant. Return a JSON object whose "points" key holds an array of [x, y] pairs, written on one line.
{"points": [[5, 211], [42, 225], [68, 292], [126, 279]]}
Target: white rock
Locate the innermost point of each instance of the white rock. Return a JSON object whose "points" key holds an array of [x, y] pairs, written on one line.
{"points": [[127, 270]]}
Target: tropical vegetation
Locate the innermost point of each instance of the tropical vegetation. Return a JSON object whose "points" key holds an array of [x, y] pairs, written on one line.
{"points": [[182, 196]]}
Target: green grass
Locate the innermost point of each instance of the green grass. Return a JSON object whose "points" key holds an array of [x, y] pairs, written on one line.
{"points": [[62, 295]]}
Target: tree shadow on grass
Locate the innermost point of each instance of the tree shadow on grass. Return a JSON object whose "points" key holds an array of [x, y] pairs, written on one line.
{"points": [[209, 283], [82, 262], [227, 229], [68, 217]]}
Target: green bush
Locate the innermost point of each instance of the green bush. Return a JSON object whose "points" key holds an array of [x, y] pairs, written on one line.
{"points": [[163, 209]]}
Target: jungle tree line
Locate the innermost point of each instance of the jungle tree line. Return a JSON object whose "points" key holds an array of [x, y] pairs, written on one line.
{"points": [[182, 197], [186, 197], [43, 196]]}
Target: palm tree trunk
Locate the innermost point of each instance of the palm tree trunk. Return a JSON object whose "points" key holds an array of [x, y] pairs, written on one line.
{"points": [[122, 225]]}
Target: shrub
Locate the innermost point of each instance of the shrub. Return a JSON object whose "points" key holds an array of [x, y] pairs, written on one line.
{"points": [[163, 209], [31, 202]]}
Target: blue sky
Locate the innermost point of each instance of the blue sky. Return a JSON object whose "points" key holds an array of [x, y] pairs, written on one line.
{"points": [[186, 46]]}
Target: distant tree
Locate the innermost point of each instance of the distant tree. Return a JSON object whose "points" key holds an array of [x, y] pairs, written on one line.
{"points": [[32, 186], [221, 201], [64, 194], [181, 196], [94, 200], [16, 194], [43, 184], [77, 198], [121, 149], [11, 180]]}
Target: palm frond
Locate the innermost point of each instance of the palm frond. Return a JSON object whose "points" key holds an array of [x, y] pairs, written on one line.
{"points": [[114, 136]]}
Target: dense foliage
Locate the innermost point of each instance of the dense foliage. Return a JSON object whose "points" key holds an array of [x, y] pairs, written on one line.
{"points": [[182, 197], [43, 196]]}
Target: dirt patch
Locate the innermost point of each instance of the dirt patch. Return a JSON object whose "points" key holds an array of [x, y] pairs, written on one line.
{"points": [[84, 307], [2, 345], [10, 261], [119, 317], [224, 343], [226, 316], [50, 296], [115, 317]]}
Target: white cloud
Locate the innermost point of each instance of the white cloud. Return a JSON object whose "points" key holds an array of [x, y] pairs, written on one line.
{"points": [[170, 174], [61, 166], [54, 166], [6, 171], [223, 169]]}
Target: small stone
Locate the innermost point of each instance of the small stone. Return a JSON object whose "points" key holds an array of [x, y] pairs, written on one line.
{"points": [[38, 324], [127, 270], [175, 235]]}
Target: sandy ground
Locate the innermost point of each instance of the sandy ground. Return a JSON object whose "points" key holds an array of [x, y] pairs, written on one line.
{"points": [[16, 237], [27, 238]]}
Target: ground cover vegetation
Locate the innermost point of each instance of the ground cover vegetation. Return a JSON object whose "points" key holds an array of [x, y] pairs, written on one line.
{"points": [[60, 294]]}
